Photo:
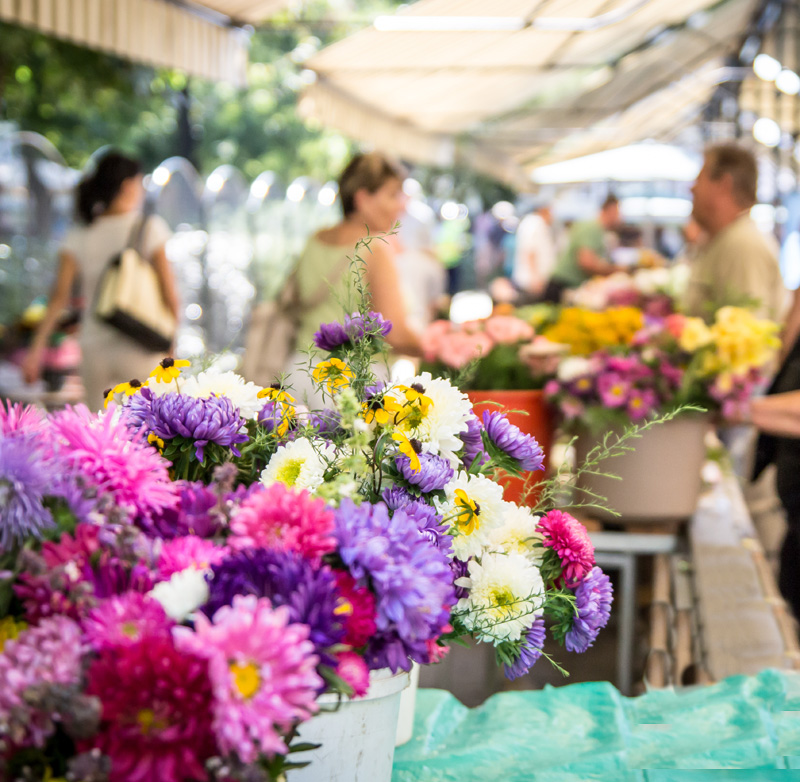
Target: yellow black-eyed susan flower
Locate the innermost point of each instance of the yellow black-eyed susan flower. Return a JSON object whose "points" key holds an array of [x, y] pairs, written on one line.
{"points": [[275, 393], [416, 407], [333, 373], [169, 369], [128, 388], [409, 448], [382, 411], [468, 513], [154, 439]]}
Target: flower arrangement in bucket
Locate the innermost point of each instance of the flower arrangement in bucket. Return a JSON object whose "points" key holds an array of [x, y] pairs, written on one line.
{"points": [[667, 363], [486, 354], [185, 574]]}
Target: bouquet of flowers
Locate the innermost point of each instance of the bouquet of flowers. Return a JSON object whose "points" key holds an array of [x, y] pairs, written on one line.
{"points": [[670, 362], [654, 291], [489, 352], [183, 574], [585, 331]]}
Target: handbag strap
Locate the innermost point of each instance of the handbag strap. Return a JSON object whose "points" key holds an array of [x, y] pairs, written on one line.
{"points": [[321, 293], [135, 240]]}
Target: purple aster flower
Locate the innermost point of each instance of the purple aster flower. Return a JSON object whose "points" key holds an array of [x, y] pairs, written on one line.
{"points": [[332, 336], [397, 497], [411, 580], [26, 476], [593, 598], [286, 578], [529, 653], [509, 439], [126, 620], [194, 514], [327, 423], [473, 443], [211, 420], [460, 569], [434, 473], [113, 576], [137, 408]]}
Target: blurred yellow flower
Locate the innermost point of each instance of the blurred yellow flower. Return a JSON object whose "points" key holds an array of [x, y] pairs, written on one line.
{"points": [[587, 331], [333, 373]]}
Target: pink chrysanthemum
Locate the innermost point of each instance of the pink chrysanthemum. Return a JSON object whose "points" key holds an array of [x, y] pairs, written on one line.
{"points": [[157, 707], [263, 672], [570, 541], [47, 653], [354, 671], [125, 620], [279, 517], [356, 607], [110, 461], [78, 549], [22, 419], [189, 551]]}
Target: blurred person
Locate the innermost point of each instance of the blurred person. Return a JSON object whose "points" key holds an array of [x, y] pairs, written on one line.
{"points": [[694, 238], [372, 198], [535, 253], [423, 278], [109, 199], [738, 265], [587, 253]]}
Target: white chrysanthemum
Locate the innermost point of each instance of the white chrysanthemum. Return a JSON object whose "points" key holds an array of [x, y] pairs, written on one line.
{"points": [[506, 594], [471, 531], [242, 393], [445, 418], [183, 594], [298, 464], [650, 281], [517, 533], [573, 367]]}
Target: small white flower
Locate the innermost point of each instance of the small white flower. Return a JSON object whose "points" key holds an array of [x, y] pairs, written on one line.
{"points": [[517, 533], [445, 419], [573, 367], [298, 464], [243, 394], [471, 530], [506, 594], [183, 594]]}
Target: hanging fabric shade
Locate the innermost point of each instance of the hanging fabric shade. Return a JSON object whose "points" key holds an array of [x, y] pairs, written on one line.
{"points": [[203, 39]]}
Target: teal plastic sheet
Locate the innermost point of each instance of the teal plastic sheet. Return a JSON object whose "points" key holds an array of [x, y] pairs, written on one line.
{"points": [[746, 728]]}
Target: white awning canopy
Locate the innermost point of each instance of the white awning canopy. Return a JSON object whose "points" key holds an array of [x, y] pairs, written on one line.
{"points": [[511, 85], [200, 38]]}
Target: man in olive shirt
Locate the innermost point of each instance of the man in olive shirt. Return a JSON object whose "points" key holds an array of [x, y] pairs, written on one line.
{"points": [[738, 265], [586, 254]]}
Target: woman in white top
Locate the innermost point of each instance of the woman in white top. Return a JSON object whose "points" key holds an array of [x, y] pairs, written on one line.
{"points": [[371, 193], [108, 206]]}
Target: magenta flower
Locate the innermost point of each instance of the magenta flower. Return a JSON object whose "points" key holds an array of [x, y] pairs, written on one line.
{"points": [[189, 551], [613, 389], [48, 653], [263, 673], [19, 419], [112, 463], [356, 609], [641, 403], [570, 541], [354, 671], [125, 620], [286, 519]]}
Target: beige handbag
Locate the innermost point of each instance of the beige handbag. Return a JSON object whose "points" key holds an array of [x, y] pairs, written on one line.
{"points": [[129, 298]]}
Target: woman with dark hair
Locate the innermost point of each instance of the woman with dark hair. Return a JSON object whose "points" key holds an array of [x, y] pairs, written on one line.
{"points": [[372, 198], [108, 211]]}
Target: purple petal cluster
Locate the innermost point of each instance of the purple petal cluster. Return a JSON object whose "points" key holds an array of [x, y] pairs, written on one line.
{"points": [[327, 423], [473, 443], [434, 473], [593, 598], [428, 521], [530, 651], [411, 580], [286, 578], [332, 336], [192, 515], [509, 439], [212, 420], [26, 476], [460, 569]]}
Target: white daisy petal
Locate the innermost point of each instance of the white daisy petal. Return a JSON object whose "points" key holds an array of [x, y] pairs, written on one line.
{"points": [[517, 533], [506, 594], [298, 464], [183, 594], [243, 394]]}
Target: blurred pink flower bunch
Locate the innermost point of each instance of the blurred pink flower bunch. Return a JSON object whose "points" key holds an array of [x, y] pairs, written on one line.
{"points": [[456, 345]]}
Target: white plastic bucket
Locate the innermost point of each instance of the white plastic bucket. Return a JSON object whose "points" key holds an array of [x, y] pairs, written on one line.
{"points": [[358, 738], [408, 703]]}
